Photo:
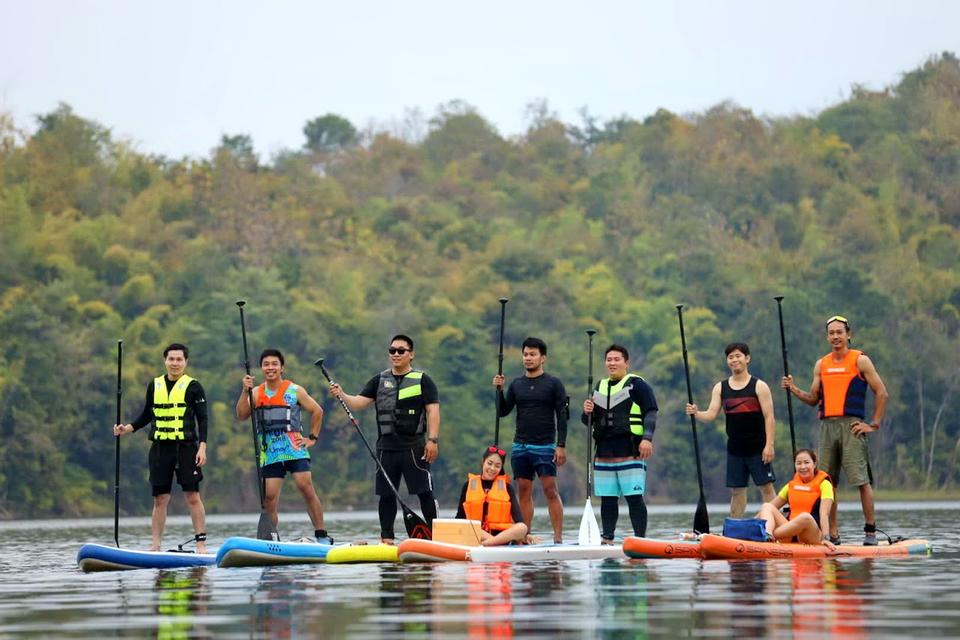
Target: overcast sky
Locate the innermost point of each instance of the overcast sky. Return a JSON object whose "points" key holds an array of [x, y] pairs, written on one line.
{"points": [[173, 76]]}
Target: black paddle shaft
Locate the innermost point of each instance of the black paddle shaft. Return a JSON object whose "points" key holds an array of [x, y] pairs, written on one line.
{"points": [[503, 318], [786, 372], [416, 526], [253, 421], [590, 334], [701, 520], [116, 471]]}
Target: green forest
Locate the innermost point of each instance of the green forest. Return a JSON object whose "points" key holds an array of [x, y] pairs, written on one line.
{"points": [[359, 235]]}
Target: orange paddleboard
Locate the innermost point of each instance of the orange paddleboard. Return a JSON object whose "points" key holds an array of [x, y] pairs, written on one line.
{"points": [[636, 547], [416, 550], [718, 547]]}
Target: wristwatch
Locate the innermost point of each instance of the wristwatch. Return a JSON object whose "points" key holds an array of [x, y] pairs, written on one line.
{"points": [[312, 437], [433, 440]]}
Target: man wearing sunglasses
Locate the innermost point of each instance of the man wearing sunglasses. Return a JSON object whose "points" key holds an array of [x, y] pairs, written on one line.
{"points": [[539, 442], [840, 381], [408, 427]]}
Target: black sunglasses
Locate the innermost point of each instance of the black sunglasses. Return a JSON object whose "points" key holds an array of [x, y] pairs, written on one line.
{"points": [[396, 350]]}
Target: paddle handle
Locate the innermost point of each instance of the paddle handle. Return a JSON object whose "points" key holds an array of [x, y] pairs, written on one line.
{"points": [[116, 469], [786, 372], [253, 420], [590, 334], [503, 319], [693, 419]]}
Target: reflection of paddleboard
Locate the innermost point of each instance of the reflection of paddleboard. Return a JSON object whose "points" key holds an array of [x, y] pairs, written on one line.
{"points": [[530, 552], [346, 553], [416, 550], [251, 552], [100, 557], [636, 547], [719, 547]]}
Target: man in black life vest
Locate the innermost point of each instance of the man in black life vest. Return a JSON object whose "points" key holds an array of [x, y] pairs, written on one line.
{"points": [[624, 418], [177, 407], [408, 426], [748, 406]]}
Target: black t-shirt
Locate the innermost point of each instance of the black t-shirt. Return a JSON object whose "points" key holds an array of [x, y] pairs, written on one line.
{"points": [[621, 446], [746, 435], [515, 512], [541, 404], [196, 412], [397, 442]]}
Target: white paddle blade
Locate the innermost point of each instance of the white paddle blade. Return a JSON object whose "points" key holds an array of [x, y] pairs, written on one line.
{"points": [[589, 530]]}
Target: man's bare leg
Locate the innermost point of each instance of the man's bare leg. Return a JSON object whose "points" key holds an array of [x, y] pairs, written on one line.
{"points": [[158, 521], [554, 506], [198, 516]]}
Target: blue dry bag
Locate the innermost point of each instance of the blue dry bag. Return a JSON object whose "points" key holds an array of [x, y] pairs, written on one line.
{"points": [[745, 529]]}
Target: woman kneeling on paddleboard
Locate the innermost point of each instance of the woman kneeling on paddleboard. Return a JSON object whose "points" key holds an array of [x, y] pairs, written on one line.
{"points": [[490, 498], [810, 495]]}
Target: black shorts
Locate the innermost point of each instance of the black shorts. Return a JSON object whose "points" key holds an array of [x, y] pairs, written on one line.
{"points": [[741, 468], [409, 464], [165, 458], [281, 469]]}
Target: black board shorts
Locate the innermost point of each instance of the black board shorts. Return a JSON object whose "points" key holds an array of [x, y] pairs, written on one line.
{"points": [[167, 458], [409, 464]]}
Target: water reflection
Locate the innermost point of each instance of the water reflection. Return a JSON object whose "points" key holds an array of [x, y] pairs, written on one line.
{"points": [[827, 597], [623, 598], [181, 599]]}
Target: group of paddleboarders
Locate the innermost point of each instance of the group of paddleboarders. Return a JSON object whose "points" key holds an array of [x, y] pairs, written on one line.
{"points": [[840, 382], [622, 411]]}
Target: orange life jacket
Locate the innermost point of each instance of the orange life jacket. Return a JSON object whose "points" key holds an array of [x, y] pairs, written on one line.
{"points": [[491, 508], [843, 390], [804, 497]]}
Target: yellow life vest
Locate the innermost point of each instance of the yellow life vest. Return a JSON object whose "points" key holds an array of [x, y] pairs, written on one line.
{"points": [[168, 409]]}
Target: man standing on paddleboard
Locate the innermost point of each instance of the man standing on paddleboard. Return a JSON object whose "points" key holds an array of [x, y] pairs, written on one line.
{"points": [[748, 406], [283, 446], [408, 427], [624, 418], [540, 439], [177, 407], [840, 381]]}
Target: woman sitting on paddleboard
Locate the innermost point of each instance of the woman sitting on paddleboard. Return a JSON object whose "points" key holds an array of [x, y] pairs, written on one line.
{"points": [[810, 495], [490, 498]]}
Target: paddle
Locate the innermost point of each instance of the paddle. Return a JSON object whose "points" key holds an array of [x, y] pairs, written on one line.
{"points": [[701, 520], [116, 471], [266, 530], [503, 316], [786, 372], [589, 530], [416, 526]]}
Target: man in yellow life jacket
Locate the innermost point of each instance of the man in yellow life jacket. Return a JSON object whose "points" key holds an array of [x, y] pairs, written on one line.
{"points": [[490, 499], [177, 407], [408, 430], [840, 381], [624, 412]]}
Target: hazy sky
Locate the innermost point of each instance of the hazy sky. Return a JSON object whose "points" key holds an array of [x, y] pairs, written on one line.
{"points": [[175, 75]]}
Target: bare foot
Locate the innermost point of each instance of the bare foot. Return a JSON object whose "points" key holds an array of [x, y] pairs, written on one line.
{"points": [[201, 547], [388, 541]]}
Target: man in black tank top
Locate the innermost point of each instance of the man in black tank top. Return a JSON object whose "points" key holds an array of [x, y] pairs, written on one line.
{"points": [[748, 406]]}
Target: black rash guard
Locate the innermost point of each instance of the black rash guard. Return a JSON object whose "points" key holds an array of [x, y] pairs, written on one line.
{"points": [[542, 412]]}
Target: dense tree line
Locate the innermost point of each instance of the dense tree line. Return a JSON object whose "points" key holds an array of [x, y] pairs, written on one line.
{"points": [[359, 235]]}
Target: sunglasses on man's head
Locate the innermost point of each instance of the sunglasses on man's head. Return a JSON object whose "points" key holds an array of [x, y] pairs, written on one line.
{"points": [[498, 450], [398, 350], [845, 322]]}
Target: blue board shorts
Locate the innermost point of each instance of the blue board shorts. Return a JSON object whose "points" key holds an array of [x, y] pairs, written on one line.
{"points": [[529, 459], [741, 468], [626, 478], [282, 468]]}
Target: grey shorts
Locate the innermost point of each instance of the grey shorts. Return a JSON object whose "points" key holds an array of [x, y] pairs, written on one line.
{"points": [[840, 449]]}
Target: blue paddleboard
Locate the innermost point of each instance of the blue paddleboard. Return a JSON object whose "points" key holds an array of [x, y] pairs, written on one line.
{"points": [[101, 557], [251, 552]]}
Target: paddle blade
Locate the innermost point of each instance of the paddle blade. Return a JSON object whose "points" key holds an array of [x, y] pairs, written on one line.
{"points": [[266, 529], [589, 530], [416, 526], [701, 521]]}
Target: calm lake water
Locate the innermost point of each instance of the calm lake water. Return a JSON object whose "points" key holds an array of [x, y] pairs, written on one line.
{"points": [[43, 593]]}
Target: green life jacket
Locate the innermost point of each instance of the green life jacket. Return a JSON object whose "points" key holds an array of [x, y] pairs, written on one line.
{"points": [[400, 409], [169, 409], [620, 414]]}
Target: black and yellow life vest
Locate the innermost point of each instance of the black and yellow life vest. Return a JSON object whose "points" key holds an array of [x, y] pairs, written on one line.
{"points": [[620, 415], [169, 409], [400, 409]]}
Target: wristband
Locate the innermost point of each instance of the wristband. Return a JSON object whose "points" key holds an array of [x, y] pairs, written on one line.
{"points": [[433, 440], [312, 437]]}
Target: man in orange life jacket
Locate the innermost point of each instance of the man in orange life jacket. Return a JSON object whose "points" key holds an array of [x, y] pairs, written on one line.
{"points": [[840, 381], [748, 406], [283, 446], [177, 407]]}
